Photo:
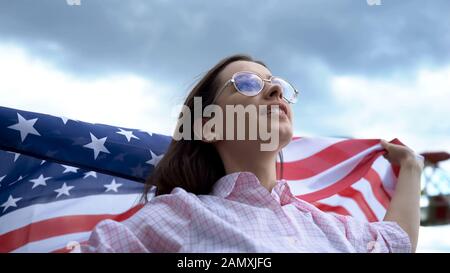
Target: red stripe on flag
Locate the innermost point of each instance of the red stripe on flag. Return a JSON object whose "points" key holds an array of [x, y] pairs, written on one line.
{"points": [[325, 159], [377, 187], [55, 227], [328, 208], [359, 171], [360, 201]]}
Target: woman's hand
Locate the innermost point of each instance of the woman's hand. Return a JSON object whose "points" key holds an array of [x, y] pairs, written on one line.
{"points": [[400, 155]]}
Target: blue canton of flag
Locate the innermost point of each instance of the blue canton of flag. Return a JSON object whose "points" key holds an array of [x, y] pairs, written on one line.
{"points": [[59, 177]]}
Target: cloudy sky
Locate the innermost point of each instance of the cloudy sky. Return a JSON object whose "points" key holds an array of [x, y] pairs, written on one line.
{"points": [[364, 71]]}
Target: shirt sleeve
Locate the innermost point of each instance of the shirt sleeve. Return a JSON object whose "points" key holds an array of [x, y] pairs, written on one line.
{"points": [[374, 237], [160, 226], [111, 236]]}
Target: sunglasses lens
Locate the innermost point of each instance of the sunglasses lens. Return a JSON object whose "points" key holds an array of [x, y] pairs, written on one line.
{"points": [[289, 93], [247, 83]]}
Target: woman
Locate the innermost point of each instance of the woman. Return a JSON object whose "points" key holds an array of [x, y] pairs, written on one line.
{"points": [[221, 195]]}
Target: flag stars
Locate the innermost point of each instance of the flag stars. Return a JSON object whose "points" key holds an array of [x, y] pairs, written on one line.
{"points": [[149, 133], [1, 178], [69, 169], [25, 127], [113, 186], [11, 202], [19, 179], [16, 155], [91, 173], [39, 181], [97, 145], [138, 171], [155, 159], [64, 190], [128, 134], [64, 119]]}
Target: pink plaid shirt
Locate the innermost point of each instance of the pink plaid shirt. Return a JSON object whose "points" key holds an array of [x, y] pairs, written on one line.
{"points": [[240, 215]]}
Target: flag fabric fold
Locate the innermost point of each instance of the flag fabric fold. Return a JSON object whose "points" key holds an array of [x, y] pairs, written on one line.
{"points": [[59, 177]]}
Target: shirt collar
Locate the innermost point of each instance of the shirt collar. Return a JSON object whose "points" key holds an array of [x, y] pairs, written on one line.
{"points": [[248, 181]]}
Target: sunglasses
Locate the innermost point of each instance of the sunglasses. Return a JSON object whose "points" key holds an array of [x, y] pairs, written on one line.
{"points": [[251, 84]]}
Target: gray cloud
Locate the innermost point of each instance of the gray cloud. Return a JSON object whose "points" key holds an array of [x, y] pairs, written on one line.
{"points": [[305, 41], [174, 37]]}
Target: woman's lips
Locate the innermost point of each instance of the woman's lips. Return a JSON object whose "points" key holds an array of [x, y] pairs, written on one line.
{"points": [[280, 110]]}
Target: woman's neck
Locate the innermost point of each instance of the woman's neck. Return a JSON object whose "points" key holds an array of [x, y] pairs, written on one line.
{"points": [[262, 164]]}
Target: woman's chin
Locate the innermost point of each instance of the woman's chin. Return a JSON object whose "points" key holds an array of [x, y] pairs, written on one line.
{"points": [[286, 135]]}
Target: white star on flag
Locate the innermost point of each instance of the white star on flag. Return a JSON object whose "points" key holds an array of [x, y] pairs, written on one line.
{"points": [[113, 186], [64, 119], [97, 145], [138, 170], [39, 181], [91, 173], [11, 202], [155, 159], [64, 190], [128, 134], [16, 155], [69, 169], [1, 178], [20, 178], [149, 133], [25, 127]]}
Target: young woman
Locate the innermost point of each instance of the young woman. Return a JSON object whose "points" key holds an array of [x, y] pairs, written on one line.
{"points": [[222, 195]]}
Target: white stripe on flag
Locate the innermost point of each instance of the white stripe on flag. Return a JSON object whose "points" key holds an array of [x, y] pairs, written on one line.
{"points": [[53, 243], [363, 186], [328, 177], [305, 147], [387, 176], [348, 203], [89, 205]]}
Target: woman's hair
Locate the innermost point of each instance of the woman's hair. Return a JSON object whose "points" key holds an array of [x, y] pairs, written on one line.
{"points": [[194, 165]]}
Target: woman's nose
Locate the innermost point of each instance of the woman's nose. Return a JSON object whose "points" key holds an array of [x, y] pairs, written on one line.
{"points": [[273, 91]]}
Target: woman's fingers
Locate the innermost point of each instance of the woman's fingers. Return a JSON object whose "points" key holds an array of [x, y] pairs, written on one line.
{"points": [[388, 145], [396, 154], [384, 144]]}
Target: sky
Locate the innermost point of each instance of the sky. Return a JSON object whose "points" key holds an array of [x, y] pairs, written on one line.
{"points": [[364, 70]]}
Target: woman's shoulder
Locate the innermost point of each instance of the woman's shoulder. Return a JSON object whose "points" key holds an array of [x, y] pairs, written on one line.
{"points": [[180, 202], [177, 199], [177, 194]]}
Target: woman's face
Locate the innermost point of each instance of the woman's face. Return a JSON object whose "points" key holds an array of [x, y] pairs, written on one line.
{"points": [[270, 95]]}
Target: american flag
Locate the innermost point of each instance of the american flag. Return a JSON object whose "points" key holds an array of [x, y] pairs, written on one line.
{"points": [[59, 177]]}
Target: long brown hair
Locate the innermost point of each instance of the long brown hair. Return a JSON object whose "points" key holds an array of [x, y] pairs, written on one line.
{"points": [[194, 165]]}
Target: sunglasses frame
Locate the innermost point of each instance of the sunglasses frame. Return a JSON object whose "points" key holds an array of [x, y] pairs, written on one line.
{"points": [[296, 92]]}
